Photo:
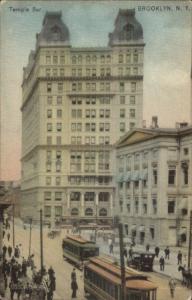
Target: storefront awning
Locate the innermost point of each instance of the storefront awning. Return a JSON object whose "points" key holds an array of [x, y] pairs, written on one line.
{"points": [[183, 231], [142, 228], [120, 178], [128, 177], [133, 227], [144, 174], [183, 204], [135, 176]]}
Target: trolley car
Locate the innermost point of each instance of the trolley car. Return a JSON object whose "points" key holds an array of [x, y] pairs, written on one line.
{"points": [[102, 280], [78, 250]]}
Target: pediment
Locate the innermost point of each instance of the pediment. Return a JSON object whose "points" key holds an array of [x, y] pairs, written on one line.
{"points": [[136, 137]]}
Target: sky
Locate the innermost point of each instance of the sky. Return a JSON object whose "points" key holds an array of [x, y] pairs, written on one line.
{"points": [[167, 58]]}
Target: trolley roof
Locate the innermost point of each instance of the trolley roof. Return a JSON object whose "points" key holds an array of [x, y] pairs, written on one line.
{"points": [[79, 240], [107, 269]]}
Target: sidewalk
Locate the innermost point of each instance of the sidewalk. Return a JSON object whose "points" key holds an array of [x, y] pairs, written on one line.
{"points": [[171, 267]]}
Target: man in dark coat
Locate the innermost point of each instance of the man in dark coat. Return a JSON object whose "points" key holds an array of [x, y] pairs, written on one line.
{"points": [[74, 288]]}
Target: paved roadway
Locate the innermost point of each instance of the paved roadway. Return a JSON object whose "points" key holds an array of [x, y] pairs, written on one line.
{"points": [[53, 257]]}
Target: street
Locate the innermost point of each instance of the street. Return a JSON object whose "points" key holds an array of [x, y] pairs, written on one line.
{"points": [[53, 257]]}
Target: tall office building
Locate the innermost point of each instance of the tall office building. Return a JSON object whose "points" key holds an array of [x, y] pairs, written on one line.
{"points": [[77, 102]]}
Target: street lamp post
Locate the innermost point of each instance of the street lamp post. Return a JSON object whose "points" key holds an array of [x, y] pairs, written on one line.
{"points": [[122, 261], [30, 229], [41, 240], [13, 225]]}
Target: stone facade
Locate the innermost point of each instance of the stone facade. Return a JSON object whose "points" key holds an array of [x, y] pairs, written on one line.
{"points": [[154, 185], [77, 102]]}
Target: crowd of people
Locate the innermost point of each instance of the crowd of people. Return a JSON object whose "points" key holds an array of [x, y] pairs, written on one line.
{"points": [[21, 277]]}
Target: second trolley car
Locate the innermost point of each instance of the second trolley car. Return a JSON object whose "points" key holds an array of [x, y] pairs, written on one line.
{"points": [[102, 280], [78, 250]]}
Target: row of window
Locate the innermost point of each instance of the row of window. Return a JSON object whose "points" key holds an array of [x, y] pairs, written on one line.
{"points": [[90, 100], [128, 57], [90, 140], [78, 180], [76, 196], [135, 208], [91, 113], [90, 86]]}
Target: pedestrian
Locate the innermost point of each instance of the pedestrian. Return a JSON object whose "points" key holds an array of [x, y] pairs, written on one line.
{"points": [[125, 252], [111, 248], [147, 247], [179, 258], [4, 251], [9, 250], [162, 263], [74, 288], [8, 236], [167, 252], [73, 275], [157, 251], [172, 285], [130, 252], [28, 290]]}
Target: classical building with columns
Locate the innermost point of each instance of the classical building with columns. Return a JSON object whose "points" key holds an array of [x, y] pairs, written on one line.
{"points": [[154, 184], [77, 102]]}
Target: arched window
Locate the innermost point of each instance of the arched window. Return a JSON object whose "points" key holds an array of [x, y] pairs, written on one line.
{"points": [[88, 212], [128, 31], [56, 33], [103, 212], [74, 211]]}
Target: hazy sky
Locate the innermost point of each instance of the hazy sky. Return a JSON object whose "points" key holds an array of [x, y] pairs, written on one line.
{"points": [[167, 59]]}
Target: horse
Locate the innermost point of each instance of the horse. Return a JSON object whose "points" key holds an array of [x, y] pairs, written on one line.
{"points": [[187, 276]]}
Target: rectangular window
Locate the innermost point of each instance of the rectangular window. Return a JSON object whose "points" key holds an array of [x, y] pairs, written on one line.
{"points": [[49, 140], [132, 100], [79, 126], [59, 113], [132, 113], [73, 126], [59, 100], [62, 60], [122, 100], [58, 154], [101, 126], [58, 166], [49, 113], [47, 196], [55, 59], [120, 58], [62, 72], [73, 72], [128, 71], [49, 87], [101, 113], [186, 151], [120, 71], [171, 206], [79, 72], [58, 196], [107, 127], [93, 140], [48, 180], [171, 177], [74, 87], [58, 211], [60, 87], [133, 86], [58, 140], [131, 125], [155, 177], [48, 59], [47, 211], [59, 126], [135, 58], [48, 72], [154, 206], [88, 72], [128, 58], [93, 126], [121, 87], [107, 140], [73, 140], [87, 140], [78, 140], [54, 72], [48, 166], [48, 155], [101, 140], [58, 180], [49, 100], [122, 127], [49, 126], [122, 113], [102, 86], [107, 113], [87, 113], [93, 113]]}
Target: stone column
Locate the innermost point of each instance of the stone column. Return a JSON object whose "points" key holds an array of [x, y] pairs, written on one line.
{"points": [[96, 206], [82, 205]]}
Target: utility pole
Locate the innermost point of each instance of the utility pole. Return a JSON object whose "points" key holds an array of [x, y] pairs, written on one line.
{"points": [[41, 240], [121, 245], [13, 225], [30, 228], [190, 241]]}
